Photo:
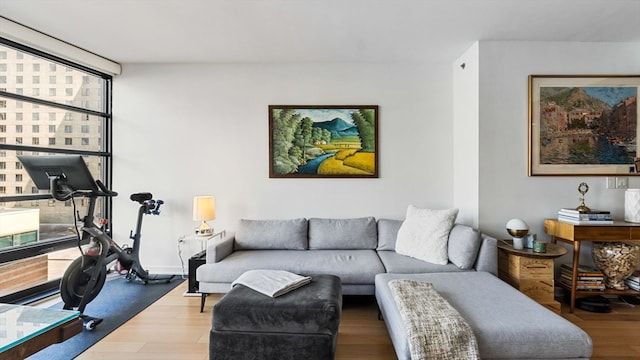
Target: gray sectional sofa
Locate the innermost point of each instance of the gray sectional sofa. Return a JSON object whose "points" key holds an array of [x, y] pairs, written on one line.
{"points": [[354, 249], [506, 323]]}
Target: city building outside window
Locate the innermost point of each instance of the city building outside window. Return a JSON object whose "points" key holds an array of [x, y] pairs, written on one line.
{"points": [[76, 102]]}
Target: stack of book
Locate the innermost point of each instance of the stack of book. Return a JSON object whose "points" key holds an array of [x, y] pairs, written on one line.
{"points": [[633, 281], [589, 278], [585, 217]]}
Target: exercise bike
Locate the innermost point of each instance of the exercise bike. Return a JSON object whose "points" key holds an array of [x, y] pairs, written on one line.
{"points": [[67, 178]]}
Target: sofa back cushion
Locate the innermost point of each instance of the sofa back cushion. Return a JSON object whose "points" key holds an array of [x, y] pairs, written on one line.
{"points": [[272, 235], [357, 233], [464, 244], [387, 233]]}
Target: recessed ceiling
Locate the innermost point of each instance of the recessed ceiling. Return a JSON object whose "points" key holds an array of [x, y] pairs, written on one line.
{"points": [[232, 31]]}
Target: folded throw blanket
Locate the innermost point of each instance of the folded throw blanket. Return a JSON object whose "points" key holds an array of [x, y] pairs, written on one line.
{"points": [[271, 282], [435, 329]]}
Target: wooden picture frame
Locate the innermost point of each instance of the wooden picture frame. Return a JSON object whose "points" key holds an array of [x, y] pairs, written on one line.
{"points": [[583, 124], [323, 141]]}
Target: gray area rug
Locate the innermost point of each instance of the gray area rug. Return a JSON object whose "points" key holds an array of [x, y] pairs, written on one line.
{"points": [[118, 301]]}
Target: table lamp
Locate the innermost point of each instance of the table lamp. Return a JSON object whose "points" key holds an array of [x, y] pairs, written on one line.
{"points": [[204, 208], [518, 229]]}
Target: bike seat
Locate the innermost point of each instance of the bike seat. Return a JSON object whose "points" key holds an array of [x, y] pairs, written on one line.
{"points": [[141, 197]]}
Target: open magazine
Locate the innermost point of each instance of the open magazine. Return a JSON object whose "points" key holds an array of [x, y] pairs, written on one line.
{"points": [[271, 282]]}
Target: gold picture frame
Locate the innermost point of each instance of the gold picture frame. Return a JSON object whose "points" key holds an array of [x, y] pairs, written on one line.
{"points": [[583, 125]]}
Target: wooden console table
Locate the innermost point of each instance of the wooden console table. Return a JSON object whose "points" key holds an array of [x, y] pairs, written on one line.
{"points": [[619, 231]]}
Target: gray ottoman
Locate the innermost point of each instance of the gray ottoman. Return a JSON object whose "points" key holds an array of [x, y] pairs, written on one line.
{"points": [[302, 324]]}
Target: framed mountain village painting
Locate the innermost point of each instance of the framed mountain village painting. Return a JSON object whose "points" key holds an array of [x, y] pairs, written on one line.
{"points": [[583, 125], [330, 141]]}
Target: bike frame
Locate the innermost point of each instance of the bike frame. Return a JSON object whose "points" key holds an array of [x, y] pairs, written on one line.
{"points": [[130, 260], [109, 249]]}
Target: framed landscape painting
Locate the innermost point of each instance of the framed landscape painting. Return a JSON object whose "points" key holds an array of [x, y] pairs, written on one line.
{"points": [[583, 125], [309, 141]]}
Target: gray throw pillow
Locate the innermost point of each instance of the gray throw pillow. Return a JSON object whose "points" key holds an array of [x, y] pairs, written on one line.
{"points": [[387, 234], [272, 235], [464, 244]]}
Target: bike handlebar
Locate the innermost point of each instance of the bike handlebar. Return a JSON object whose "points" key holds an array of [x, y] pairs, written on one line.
{"points": [[105, 191], [64, 192]]}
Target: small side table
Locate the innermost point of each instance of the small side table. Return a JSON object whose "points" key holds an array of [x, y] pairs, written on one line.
{"points": [[530, 272], [195, 259]]}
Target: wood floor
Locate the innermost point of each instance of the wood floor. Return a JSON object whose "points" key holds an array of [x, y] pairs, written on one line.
{"points": [[173, 328]]}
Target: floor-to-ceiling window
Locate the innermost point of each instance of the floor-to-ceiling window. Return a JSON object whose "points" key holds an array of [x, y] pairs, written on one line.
{"points": [[48, 106]]}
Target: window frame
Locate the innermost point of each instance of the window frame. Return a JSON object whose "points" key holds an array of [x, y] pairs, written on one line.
{"points": [[105, 153]]}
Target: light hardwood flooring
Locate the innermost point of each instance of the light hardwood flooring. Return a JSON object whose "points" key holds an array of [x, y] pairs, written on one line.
{"points": [[174, 328]]}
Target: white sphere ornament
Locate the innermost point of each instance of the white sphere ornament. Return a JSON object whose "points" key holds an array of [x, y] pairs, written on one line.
{"points": [[518, 229]]}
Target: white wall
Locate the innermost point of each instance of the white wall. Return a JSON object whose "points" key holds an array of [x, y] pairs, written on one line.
{"points": [[505, 189], [193, 129], [466, 135]]}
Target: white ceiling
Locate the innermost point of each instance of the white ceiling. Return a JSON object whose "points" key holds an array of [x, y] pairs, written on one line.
{"points": [[133, 31]]}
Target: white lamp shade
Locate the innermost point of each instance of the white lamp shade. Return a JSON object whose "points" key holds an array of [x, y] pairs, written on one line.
{"points": [[204, 208]]}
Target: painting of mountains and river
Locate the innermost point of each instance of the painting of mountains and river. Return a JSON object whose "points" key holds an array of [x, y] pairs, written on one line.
{"points": [[323, 141], [587, 126]]}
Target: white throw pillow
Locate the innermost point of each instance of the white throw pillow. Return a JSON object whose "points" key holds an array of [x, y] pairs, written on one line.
{"points": [[424, 234]]}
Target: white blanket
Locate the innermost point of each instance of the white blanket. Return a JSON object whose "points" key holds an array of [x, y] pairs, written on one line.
{"points": [[435, 329], [271, 282]]}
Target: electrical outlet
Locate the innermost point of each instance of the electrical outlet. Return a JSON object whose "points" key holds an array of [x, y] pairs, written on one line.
{"points": [[622, 182], [611, 182]]}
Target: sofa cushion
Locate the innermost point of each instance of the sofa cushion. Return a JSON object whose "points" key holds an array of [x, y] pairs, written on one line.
{"points": [[506, 323], [272, 234], [337, 234], [401, 264], [424, 234], [352, 266], [464, 244], [387, 233]]}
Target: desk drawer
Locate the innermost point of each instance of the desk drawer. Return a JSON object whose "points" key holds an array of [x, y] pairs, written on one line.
{"points": [[602, 233]]}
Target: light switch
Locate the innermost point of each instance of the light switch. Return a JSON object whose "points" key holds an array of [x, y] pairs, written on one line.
{"points": [[622, 182]]}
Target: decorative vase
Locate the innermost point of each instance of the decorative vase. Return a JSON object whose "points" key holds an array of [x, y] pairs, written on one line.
{"points": [[632, 205], [616, 260]]}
